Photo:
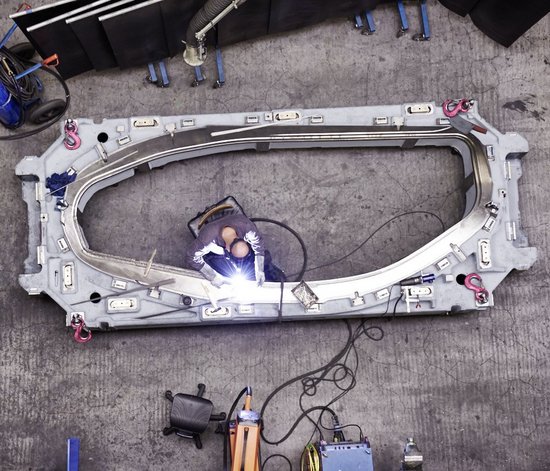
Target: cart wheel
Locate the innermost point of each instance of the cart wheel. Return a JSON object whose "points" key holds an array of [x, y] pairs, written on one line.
{"points": [[46, 111], [24, 51]]}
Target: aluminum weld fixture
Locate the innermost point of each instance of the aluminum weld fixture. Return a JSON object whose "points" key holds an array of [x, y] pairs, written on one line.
{"points": [[71, 140], [113, 292]]}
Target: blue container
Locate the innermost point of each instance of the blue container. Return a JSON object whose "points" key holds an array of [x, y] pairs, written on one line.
{"points": [[10, 111]]}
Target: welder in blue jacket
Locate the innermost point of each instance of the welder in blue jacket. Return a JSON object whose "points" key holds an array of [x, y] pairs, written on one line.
{"points": [[227, 247]]}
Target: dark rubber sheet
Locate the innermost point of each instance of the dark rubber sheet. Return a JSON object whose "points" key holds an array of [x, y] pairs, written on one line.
{"points": [[137, 36], [261, 17], [55, 36], [93, 38], [502, 20], [156, 29]]}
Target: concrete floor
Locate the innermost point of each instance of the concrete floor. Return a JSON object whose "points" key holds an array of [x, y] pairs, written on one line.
{"points": [[472, 389]]}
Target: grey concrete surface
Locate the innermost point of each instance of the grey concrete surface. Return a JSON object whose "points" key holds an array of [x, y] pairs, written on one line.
{"points": [[472, 389]]}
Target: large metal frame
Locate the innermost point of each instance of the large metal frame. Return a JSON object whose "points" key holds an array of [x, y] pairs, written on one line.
{"points": [[110, 292]]}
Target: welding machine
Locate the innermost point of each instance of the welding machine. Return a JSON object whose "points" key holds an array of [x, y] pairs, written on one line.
{"points": [[338, 456]]}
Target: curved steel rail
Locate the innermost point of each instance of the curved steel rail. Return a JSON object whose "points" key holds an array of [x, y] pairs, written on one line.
{"points": [[187, 282]]}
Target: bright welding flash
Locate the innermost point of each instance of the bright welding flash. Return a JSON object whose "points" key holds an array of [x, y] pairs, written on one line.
{"points": [[238, 279]]}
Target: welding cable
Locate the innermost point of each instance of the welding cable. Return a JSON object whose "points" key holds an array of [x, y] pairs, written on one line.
{"points": [[340, 427], [22, 90], [311, 456], [323, 370], [396, 303], [311, 379], [299, 274], [378, 229], [276, 455]]}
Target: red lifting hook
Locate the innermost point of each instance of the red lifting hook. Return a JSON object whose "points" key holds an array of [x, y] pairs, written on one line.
{"points": [[79, 327], [452, 107], [481, 294], [71, 141]]}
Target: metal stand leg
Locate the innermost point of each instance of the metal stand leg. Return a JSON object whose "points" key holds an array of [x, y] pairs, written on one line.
{"points": [[199, 77], [219, 66], [402, 18], [425, 34], [164, 75], [152, 78], [370, 27]]}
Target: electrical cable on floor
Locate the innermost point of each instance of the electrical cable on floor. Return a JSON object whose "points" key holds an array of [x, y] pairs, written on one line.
{"points": [[276, 455], [340, 427], [337, 367], [25, 89]]}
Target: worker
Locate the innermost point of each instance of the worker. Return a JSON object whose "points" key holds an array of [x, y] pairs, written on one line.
{"points": [[231, 246]]}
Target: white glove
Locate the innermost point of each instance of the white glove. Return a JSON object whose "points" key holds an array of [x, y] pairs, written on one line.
{"points": [[213, 276], [219, 280], [259, 269]]}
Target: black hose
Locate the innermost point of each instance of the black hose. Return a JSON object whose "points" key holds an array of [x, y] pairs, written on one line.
{"points": [[205, 15], [300, 274]]}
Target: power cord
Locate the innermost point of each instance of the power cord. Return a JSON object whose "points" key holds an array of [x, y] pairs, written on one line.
{"points": [[25, 89], [276, 455], [378, 229], [299, 274], [337, 371]]}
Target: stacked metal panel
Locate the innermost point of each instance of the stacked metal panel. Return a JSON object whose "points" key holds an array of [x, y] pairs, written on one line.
{"points": [[93, 38], [102, 34]]}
